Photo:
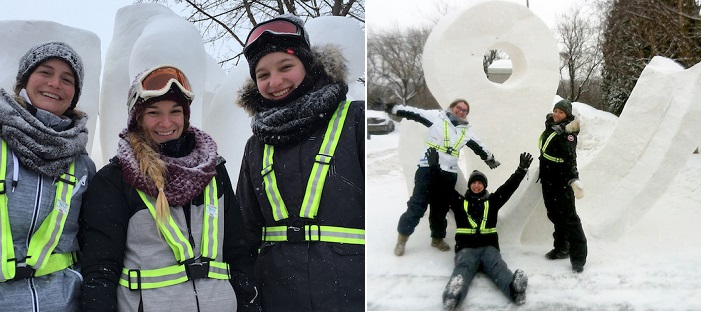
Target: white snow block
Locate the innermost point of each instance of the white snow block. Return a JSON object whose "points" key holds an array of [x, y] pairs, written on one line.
{"points": [[20, 36], [655, 135]]}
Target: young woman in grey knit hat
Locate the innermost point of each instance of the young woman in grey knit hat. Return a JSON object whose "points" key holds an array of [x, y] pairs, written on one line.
{"points": [[302, 185], [162, 229], [44, 174]]}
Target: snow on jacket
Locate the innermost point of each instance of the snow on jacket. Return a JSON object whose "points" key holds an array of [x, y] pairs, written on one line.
{"points": [[435, 120], [119, 231], [475, 205], [29, 203], [563, 145], [313, 276]]}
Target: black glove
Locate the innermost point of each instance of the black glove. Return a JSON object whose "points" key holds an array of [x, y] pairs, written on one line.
{"points": [[247, 293], [432, 157], [491, 162], [526, 160]]}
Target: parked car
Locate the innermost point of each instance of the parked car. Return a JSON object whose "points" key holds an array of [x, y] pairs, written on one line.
{"points": [[378, 122]]}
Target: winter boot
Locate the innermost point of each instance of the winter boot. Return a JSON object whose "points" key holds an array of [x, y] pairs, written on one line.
{"points": [[518, 287], [557, 254], [577, 267], [440, 244], [451, 296], [401, 244]]}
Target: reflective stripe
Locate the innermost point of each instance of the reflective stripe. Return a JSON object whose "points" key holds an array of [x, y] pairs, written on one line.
{"points": [[210, 230], [7, 249], [43, 242], [483, 225], [168, 276], [313, 191], [543, 147], [135, 279], [446, 148], [45, 239], [317, 233], [171, 233], [317, 179], [270, 182]]}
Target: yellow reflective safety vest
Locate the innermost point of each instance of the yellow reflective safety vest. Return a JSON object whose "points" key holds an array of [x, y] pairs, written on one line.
{"points": [[189, 266], [446, 148], [542, 146], [312, 196], [474, 229], [40, 257]]}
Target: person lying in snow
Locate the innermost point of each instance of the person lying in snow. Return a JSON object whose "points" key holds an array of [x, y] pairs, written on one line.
{"points": [[476, 239]]}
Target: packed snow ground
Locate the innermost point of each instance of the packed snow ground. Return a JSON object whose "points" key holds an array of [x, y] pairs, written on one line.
{"points": [[654, 266]]}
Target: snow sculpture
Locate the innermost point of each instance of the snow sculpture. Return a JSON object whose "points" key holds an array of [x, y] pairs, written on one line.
{"points": [[654, 137], [349, 36], [507, 117], [22, 35]]}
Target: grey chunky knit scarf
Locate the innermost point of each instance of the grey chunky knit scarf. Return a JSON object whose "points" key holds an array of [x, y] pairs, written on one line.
{"points": [[292, 122], [38, 147], [187, 176]]}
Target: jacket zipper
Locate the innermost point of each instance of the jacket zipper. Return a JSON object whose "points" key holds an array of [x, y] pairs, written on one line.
{"points": [[35, 216]]}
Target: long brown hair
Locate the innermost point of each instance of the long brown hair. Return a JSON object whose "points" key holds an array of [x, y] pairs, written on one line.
{"points": [[151, 165]]}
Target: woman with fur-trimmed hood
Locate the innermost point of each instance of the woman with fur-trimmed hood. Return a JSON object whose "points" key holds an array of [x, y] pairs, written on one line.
{"points": [[560, 181], [301, 185]]}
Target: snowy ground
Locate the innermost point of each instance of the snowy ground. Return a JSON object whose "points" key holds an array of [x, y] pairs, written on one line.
{"points": [[655, 266]]}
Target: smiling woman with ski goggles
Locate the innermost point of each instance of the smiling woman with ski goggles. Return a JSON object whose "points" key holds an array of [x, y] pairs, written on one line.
{"points": [[157, 82]]}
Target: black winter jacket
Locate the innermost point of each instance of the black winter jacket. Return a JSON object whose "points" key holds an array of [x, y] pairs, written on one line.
{"points": [[309, 276], [112, 205], [476, 208], [563, 145]]}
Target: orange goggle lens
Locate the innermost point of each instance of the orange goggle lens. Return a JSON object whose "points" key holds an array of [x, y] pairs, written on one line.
{"points": [[160, 78]]}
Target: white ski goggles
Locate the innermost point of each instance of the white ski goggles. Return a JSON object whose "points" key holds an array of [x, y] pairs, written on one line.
{"points": [[158, 81]]}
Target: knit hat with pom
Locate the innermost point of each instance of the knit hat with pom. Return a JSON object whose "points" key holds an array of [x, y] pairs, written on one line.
{"points": [[269, 42], [52, 50]]}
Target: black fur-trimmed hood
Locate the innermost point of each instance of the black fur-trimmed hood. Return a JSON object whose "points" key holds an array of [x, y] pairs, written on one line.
{"points": [[328, 62]]}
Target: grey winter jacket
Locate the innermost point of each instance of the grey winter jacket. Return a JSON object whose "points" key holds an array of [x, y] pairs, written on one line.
{"points": [[29, 203]]}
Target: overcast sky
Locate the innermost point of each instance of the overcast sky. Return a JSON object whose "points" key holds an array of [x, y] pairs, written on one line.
{"points": [[406, 13]]}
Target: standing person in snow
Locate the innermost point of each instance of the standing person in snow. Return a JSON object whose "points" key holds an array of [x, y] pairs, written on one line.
{"points": [[560, 183], [476, 239], [45, 171], [302, 185], [161, 229], [448, 132]]}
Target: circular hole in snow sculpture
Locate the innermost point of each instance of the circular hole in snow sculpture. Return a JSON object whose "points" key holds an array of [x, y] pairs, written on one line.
{"points": [[497, 66]]}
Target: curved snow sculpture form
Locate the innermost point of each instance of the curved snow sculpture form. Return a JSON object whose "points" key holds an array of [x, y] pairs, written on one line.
{"points": [[25, 34], [654, 137], [349, 36], [146, 35]]}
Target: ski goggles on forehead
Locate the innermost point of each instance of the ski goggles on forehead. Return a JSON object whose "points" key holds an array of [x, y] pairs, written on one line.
{"points": [[276, 27], [159, 81]]}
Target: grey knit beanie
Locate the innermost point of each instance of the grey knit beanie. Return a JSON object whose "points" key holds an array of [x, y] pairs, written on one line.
{"points": [[269, 42], [49, 50], [565, 106]]}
